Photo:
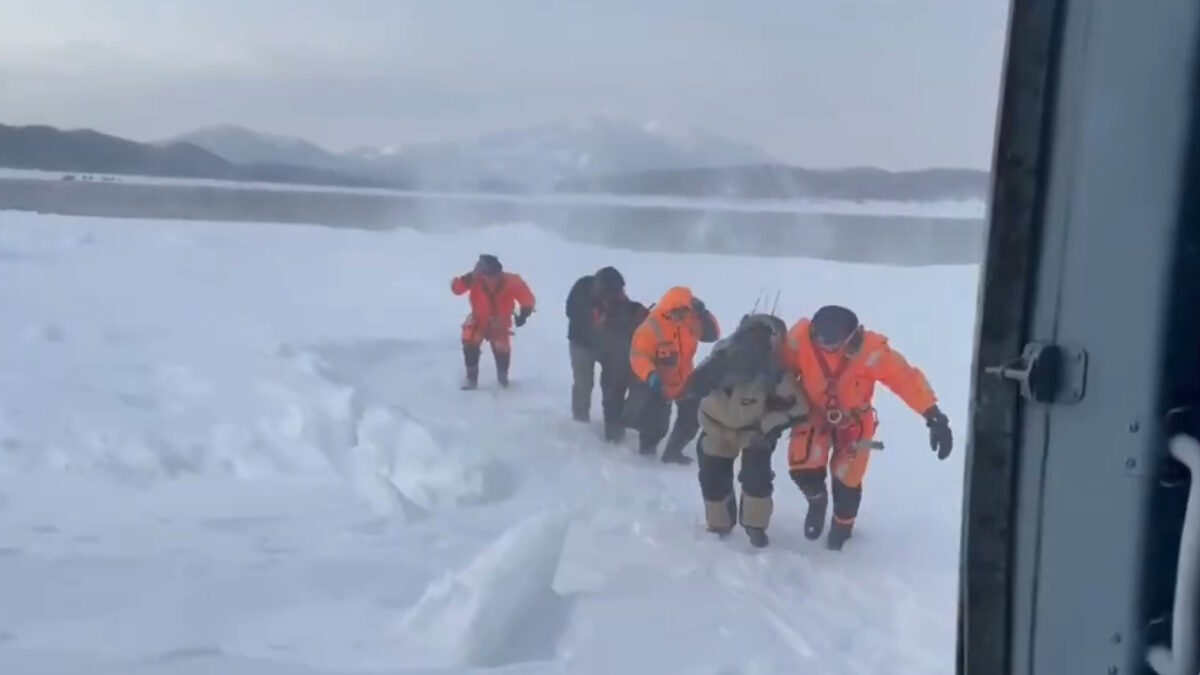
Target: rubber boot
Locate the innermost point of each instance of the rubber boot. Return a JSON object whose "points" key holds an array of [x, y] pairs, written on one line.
{"points": [[721, 516], [754, 515], [676, 457], [502, 361], [838, 534], [846, 501], [673, 451], [758, 537], [471, 359], [814, 522], [614, 431], [646, 447]]}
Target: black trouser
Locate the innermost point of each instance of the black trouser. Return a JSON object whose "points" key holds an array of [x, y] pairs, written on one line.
{"points": [[614, 381], [472, 354], [654, 419], [846, 499], [755, 475]]}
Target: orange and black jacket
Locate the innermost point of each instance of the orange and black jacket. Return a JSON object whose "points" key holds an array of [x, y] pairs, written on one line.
{"points": [[668, 347], [845, 380], [494, 299]]}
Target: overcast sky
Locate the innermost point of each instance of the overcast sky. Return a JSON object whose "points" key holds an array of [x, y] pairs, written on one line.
{"points": [[893, 83]]}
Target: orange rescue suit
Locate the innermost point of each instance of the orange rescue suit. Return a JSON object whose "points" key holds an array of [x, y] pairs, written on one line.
{"points": [[667, 345], [493, 301], [841, 387]]}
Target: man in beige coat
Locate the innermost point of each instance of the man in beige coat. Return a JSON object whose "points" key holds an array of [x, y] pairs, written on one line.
{"points": [[747, 403]]}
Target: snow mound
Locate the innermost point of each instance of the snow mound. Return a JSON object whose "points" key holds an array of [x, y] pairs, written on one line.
{"points": [[256, 416], [501, 608], [397, 463]]}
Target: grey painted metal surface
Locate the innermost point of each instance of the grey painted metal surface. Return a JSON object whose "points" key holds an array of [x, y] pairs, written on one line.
{"points": [[1123, 107], [1091, 147], [986, 600]]}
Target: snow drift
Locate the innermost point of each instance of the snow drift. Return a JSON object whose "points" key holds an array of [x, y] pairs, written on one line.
{"points": [[499, 609]]}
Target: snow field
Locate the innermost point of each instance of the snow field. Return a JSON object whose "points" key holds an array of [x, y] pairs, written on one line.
{"points": [[242, 449]]}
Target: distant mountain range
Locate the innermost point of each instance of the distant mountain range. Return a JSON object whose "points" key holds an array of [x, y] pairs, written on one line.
{"points": [[597, 154], [787, 182], [539, 158], [241, 145], [49, 149], [531, 159]]}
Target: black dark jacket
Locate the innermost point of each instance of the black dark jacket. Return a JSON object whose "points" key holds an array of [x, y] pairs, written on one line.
{"points": [[604, 325], [580, 305]]}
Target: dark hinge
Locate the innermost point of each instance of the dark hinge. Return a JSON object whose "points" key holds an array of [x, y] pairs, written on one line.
{"points": [[1047, 373]]}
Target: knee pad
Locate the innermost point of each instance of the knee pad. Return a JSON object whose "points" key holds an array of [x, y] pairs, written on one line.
{"points": [[716, 476], [810, 481], [756, 475]]}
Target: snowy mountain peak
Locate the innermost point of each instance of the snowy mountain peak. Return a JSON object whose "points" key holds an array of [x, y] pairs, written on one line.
{"points": [[534, 158], [247, 146], [541, 156]]}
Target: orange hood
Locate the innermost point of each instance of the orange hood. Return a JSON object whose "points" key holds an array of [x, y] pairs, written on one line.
{"points": [[678, 297]]}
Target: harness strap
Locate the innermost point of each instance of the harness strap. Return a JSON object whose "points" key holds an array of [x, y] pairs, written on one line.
{"points": [[832, 377], [835, 415]]}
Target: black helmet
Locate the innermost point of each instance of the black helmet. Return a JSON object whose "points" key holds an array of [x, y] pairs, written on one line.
{"points": [[834, 326], [489, 264], [609, 280]]}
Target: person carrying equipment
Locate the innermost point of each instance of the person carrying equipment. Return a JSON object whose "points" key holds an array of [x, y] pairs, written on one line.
{"points": [[601, 322], [838, 364], [494, 294], [662, 356], [747, 400]]}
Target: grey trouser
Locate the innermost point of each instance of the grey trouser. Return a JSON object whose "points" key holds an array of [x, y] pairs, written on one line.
{"points": [[614, 380]]}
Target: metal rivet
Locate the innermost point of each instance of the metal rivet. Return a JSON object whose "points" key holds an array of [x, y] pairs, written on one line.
{"points": [[1135, 427], [1130, 463]]}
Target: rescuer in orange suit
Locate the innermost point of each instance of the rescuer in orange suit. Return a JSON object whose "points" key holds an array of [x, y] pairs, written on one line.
{"points": [[494, 295], [662, 355], [838, 364]]}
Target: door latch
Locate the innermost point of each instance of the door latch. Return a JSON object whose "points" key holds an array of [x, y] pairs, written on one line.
{"points": [[1047, 373]]}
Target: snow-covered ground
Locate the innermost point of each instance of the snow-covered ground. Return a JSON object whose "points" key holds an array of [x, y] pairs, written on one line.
{"points": [[242, 449], [949, 208]]}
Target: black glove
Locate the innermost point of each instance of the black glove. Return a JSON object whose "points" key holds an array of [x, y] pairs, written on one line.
{"points": [[757, 440], [522, 317], [468, 278], [776, 403], [941, 440], [698, 306]]}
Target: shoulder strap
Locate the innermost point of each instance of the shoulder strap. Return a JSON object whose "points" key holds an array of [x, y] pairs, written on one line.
{"points": [[832, 377]]}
